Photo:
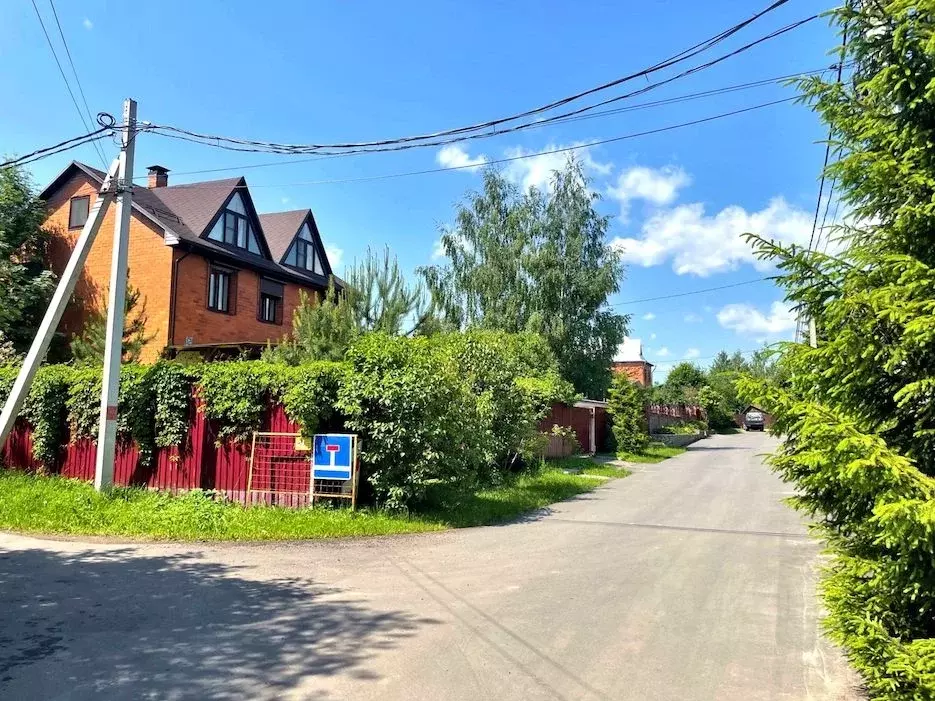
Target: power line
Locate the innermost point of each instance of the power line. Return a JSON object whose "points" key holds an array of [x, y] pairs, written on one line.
{"points": [[510, 159], [74, 70], [463, 133], [688, 294], [687, 97], [60, 69], [57, 148]]}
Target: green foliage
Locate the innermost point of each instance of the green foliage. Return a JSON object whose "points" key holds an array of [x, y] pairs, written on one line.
{"points": [[45, 409], [718, 407], [382, 300], [88, 348], [681, 385], [310, 391], [414, 416], [322, 329], [25, 282], [857, 411], [536, 262], [172, 395], [236, 394], [651, 454], [626, 405], [682, 428]]}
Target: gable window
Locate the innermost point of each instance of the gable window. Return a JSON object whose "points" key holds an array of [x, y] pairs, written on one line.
{"points": [[221, 290], [304, 254], [233, 227], [270, 308], [78, 209]]}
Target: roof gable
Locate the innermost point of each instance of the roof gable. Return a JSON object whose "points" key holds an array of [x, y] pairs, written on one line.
{"points": [[280, 229]]}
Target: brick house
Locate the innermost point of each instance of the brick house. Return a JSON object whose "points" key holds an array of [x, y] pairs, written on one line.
{"points": [[630, 360], [212, 273]]}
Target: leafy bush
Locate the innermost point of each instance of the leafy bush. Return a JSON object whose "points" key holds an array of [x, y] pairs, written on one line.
{"points": [[235, 395], [626, 406], [717, 407], [416, 420], [681, 428], [310, 393], [46, 409]]}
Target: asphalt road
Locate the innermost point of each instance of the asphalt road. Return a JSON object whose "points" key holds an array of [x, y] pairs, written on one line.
{"points": [[687, 580]]}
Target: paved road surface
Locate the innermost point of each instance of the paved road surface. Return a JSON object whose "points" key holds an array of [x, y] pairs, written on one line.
{"points": [[688, 580]]}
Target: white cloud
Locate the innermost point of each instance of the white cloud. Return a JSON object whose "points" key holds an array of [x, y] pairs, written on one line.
{"points": [[692, 318], [692, 353], [335, 255], [536, 170], [652, 337], [702, 245], [661, 353], [453, 156], [284, 200], [438, 251], [648, 316], [747, 319], [656, 186], [88, 24]]}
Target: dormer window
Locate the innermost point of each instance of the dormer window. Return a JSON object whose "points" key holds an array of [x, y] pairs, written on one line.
{"points": [[304, 253], [233, 227]]}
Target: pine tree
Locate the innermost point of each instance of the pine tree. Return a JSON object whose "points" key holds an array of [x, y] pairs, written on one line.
{"points": [[88, 347]]}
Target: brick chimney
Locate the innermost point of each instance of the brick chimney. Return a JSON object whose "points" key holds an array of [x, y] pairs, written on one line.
{"points": [[158, 177]]}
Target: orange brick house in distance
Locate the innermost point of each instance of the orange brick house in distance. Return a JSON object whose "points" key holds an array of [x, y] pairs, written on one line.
{"points": [[631, 361], [212, 273]]}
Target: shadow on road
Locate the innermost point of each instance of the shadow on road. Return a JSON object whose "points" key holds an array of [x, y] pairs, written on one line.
{"points": [[116, 625]]}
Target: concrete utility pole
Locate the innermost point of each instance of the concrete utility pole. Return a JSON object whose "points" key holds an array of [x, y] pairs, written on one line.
{"points": [[63, 292], [116, 303], [812, 333]]}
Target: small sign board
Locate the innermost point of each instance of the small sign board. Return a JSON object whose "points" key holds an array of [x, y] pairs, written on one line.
{"points": [[333, 456]]}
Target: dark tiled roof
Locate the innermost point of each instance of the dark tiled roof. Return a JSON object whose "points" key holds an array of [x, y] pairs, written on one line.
{"points": [[187, 210], [280, 228]]}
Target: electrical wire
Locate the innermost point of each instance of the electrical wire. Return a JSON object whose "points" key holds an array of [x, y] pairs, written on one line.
{"points": [[594, 115], [564, 149], [250, 145], [66, 145], [84, 99], [60, 69], [664, 360], [689, 294]]}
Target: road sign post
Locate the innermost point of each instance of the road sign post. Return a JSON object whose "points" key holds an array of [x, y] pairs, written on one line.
{"points": [[334, 465]]}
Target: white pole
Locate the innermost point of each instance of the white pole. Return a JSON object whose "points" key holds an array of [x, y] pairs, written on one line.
{"points": [[63, 292], [116, 302], [812, 333]]}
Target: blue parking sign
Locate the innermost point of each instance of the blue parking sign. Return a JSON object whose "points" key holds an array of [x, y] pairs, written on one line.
{"points": [[332, 456]]}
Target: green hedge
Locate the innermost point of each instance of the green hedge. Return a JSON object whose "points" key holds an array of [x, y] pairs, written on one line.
{"points": [[455, 408]]}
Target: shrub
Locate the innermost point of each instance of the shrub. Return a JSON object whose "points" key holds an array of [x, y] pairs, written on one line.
{"points": [[626, 405], [310, 392], [235, 395], [415, 417]]}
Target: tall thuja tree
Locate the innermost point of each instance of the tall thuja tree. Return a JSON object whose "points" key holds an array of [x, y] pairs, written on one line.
{"points": [[88, 347], [536, 261], [25, 282], [857, 412]]}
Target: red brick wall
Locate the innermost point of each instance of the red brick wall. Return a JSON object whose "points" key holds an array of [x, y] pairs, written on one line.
{"points": [[194, 319], [149, 263], [637, 370]]}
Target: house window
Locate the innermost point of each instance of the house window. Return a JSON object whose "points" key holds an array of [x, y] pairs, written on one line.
{"points": [[233, 226], [220, 284], [78, 211], [270, 309], [304, 253]]}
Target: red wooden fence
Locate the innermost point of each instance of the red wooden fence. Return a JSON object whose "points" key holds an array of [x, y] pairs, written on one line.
{"points": [[199, 463]]}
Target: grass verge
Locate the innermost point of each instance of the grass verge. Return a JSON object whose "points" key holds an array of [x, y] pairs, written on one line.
{"points": [[653, 453], [55, 505], [586, 466]]}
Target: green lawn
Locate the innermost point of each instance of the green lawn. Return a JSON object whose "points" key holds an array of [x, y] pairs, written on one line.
{"points": [[38, 504], [655, 452]]}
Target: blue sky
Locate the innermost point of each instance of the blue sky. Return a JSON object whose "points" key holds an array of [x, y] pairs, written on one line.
{"points": [[301, 72]]}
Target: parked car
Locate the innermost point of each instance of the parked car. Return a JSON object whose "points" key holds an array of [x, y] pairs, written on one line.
{"points": [[753, 420]]}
